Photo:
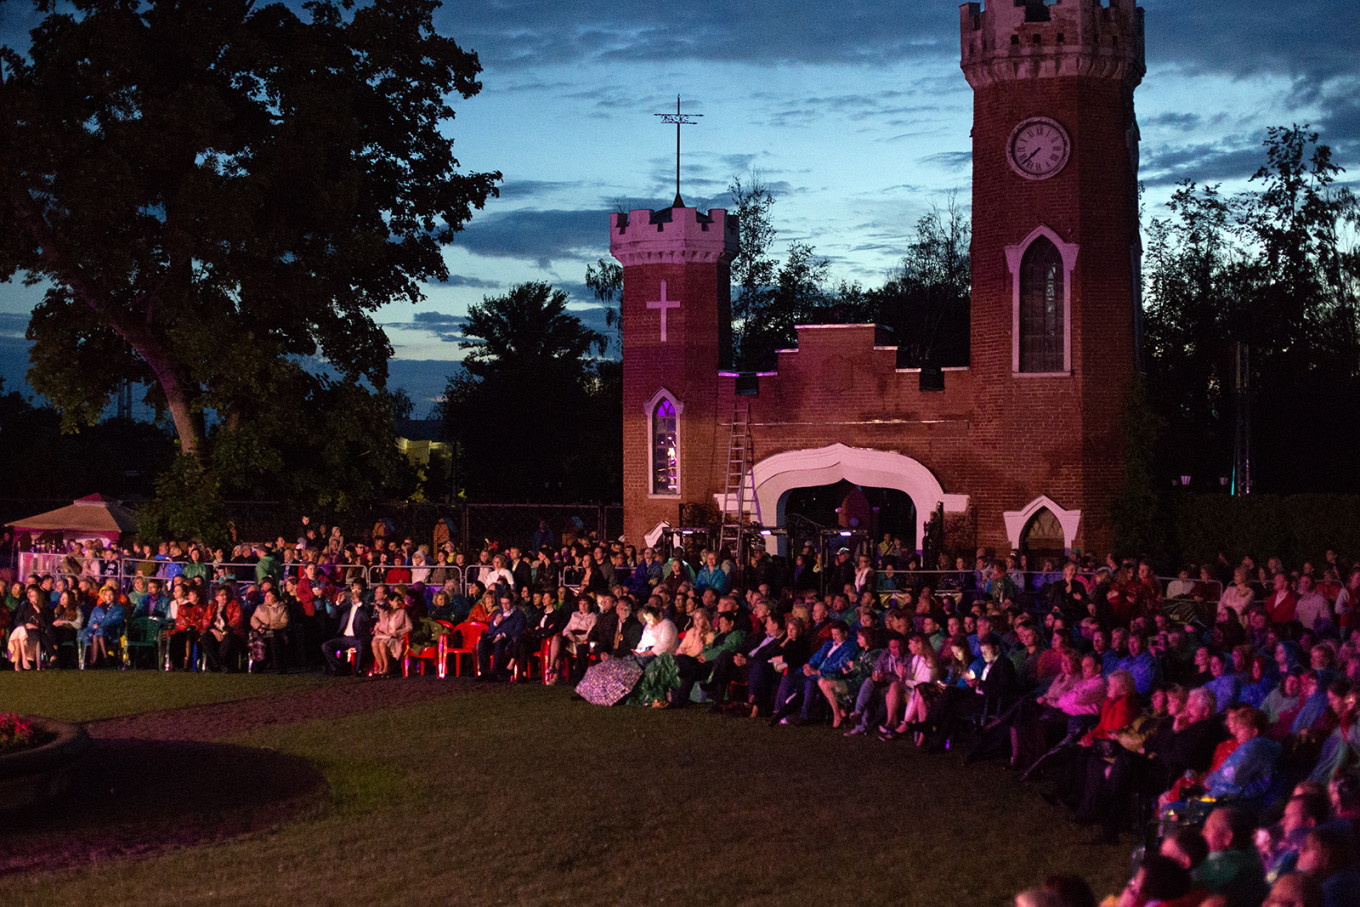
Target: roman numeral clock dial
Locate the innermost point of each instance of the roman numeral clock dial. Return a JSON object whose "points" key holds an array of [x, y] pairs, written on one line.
{"points": [[1038, 148]]}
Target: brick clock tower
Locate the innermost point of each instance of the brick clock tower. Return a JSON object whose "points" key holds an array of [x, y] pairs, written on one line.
{"points": [[1055, 252], [677, 320]]}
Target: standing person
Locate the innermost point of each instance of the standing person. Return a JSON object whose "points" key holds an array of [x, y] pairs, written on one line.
{"points": [[1067, 595]]}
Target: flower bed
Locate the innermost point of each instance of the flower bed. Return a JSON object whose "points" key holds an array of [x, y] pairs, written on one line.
{"points": [[38, 758], [18, 733]]}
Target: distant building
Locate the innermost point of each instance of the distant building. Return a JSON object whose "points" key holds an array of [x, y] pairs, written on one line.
{"points": [[418, 439]]}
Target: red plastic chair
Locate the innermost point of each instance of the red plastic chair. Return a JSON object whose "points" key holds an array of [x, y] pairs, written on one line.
{"points": [[462, 641], [432, 654], [544, 657], [524, 668]]}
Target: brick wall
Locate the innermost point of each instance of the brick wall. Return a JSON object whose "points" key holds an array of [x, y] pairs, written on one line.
{"points": [[997, 437]]}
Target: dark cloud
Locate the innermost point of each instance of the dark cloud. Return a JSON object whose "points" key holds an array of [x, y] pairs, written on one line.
{"points": [[13, 324], [1339, 126], [1297, 39], [524, 33], [1167, 165], [14, 354], [950, 160], [437, 320], [423, 379], [1176, 122], [895, 107], [521, 190], [459, 280], [446, 327], [540, 236], [741, 164], [777, 187]]}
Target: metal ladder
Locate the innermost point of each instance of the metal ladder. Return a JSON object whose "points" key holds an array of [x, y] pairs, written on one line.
{"points": [[740, 453]]}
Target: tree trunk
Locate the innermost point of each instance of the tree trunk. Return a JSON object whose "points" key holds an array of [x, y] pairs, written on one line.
{"points": [[174, 384], [177, 390]]}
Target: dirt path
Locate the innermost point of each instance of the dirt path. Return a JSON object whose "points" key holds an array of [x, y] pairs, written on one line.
{"points": [[158, 781], [226, 719]]}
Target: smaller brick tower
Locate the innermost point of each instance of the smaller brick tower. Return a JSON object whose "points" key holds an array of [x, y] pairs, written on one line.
{"points": [[676, 311]]}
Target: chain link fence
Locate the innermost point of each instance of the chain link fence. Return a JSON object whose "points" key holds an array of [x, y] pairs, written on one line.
{"points": [[469, 526]]}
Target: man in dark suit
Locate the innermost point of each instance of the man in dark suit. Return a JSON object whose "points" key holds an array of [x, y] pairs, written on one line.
{"points": [[498, 642], [355, 625], [993, 685]]}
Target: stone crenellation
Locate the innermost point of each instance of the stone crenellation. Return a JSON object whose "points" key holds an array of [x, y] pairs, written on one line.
{"points": [[1006, 42], [672, 235]]}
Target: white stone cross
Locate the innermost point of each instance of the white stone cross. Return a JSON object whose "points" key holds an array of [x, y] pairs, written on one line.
{"points": [[663, 304]]}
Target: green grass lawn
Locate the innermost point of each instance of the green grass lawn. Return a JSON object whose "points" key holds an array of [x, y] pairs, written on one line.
{"points": [[520, 795], [91, 695]]}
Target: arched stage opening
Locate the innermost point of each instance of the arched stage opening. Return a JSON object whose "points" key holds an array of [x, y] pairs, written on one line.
{"points": [[774, 477], [847, 506]]}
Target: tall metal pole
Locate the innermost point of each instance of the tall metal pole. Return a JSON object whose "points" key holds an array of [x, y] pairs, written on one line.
{"points": [[679, 119], [679, 202], [1241, 478]]}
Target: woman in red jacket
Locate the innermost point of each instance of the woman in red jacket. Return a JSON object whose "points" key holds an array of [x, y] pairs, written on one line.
{"points": [[1121, 706]]}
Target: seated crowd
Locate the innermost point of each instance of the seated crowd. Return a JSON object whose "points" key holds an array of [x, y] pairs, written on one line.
{"points": [[1215, 716]]}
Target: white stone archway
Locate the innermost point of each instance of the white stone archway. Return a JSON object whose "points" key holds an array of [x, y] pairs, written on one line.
{"points": [[775, 476], [1017, 520]]}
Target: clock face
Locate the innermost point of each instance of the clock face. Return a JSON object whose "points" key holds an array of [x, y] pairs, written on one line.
{"points": [[1038, 148]]}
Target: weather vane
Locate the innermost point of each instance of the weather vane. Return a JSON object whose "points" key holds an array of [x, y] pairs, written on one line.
{"points": [[679, 119]]}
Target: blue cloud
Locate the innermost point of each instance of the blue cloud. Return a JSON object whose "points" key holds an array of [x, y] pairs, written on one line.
{"points": [[539, 236]]}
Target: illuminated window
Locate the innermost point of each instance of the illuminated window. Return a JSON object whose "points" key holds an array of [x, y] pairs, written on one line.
{"points": [[1041, 308], [665, 448]]}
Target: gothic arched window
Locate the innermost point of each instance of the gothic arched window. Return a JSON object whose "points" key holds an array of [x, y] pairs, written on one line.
{"points": [[665, 448], [1042, 330]]}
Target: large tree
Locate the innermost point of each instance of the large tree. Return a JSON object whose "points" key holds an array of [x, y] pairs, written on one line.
{"points": [[534, 414], [926, 298], [769, 299], [1274, 268], [214, 191]]}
